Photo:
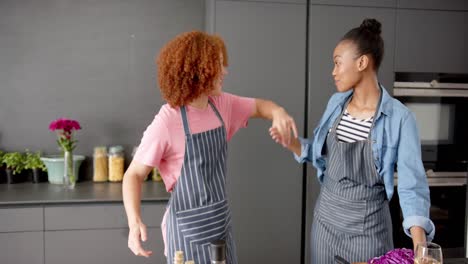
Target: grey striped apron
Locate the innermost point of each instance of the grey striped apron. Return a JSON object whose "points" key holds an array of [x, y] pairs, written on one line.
{"points": [[198, 210], [351, 216]]}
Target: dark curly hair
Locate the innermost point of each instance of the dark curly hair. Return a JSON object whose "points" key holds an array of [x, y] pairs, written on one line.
{"points": [[188, 66], [368, 40]]}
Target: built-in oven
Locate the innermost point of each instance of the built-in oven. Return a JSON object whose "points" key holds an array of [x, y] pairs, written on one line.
{"points": [[447, 211], [440, 104]]}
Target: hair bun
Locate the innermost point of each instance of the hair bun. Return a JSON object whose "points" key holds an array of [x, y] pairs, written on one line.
{"points": [[371, 25]]}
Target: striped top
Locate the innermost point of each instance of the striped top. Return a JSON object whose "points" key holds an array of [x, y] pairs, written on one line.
{"points": [[351, 129]]}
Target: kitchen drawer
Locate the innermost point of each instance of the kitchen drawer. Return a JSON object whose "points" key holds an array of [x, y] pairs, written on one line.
{"points": [[98, 216], [22, 248], [14, 219]]}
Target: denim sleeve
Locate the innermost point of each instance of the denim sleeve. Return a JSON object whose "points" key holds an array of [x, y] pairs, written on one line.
{"points": [[306, 150], [413, 189]]}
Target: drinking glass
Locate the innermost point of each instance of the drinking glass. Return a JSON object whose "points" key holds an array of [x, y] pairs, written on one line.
{"points": [[428, 253]]}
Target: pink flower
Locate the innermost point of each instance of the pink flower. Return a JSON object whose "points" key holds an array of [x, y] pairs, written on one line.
{"points": [[64, 124], [64, 128], [53, 125]]}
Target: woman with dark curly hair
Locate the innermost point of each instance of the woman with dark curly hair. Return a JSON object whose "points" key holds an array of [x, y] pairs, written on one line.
{"points": [[362, 135], [187, 141]]}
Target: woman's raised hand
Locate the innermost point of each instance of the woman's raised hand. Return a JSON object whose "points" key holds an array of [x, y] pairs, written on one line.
{"points": [[282, 127]]}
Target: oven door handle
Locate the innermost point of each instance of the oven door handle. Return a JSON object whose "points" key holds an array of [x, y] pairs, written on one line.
{"points": [[428, 92]]}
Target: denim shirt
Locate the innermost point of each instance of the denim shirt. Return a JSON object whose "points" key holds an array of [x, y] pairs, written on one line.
{"points": [[395, 141]]}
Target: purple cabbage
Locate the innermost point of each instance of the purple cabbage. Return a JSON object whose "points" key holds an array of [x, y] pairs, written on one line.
{"points": [[396, 256]]}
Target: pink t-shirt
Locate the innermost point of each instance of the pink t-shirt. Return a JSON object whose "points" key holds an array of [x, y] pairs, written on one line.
{"points": [[163, 142]]}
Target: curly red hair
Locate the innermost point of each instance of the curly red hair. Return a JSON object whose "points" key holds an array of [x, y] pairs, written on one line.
{"points": [[188, 66], [222, 46]]}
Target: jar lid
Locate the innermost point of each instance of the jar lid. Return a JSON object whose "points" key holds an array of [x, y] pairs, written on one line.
{"points": [[116, 149], [100, 150]]}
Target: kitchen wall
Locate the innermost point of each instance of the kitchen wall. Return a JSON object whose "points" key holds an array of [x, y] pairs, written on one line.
{"points": [[92, 61]]}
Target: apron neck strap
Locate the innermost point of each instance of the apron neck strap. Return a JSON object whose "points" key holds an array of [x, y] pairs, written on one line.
{"points": [[183, 111]]}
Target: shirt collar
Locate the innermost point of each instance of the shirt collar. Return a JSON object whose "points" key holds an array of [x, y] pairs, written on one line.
{"points": [[385, 106]]}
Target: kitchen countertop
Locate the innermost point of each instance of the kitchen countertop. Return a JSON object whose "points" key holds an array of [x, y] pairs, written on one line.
{"points": [[84, 192]]}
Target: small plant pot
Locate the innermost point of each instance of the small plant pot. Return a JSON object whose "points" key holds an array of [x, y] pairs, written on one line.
{"points": [[55, 167], [9, 176], [3, 178], [15, 178], [37, 176]]}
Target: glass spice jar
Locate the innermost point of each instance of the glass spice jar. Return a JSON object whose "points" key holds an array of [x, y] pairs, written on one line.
{"points": [[116, 163], [100, 164]]}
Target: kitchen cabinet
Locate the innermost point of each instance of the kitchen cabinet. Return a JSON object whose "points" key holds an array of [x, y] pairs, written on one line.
{"points": [[44, 223], [21, 236], [431, 41], [76, 233], [99, 230], [267, 59], [458, 5]]}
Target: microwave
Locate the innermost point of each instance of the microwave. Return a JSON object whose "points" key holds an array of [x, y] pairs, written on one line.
{"points": [[440, 105]]}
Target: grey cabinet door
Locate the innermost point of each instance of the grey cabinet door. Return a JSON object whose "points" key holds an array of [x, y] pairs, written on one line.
{"points": [[431, 41], [434, 4], [266, 46], [98, 216], [21, 219], [99, 246], [367, 3], [22, 248], [328, 24]]}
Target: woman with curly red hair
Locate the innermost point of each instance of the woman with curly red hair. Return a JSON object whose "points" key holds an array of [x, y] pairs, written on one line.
{"points": [[187, 141]]}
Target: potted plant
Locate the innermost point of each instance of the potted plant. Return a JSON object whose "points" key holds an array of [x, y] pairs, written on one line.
{"points": [[34, 163], [14, 162]]}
